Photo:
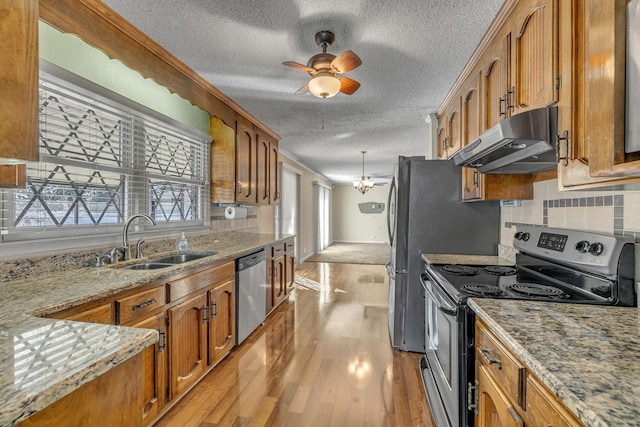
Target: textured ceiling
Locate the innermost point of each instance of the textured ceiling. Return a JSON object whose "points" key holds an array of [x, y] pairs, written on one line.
{"points": [[412, 51]]}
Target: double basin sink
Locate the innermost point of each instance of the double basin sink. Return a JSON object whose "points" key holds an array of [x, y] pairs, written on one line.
{"points": [[169, 260]]}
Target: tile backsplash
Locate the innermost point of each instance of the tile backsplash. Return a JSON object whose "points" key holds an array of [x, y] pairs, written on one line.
{"points": [[612, 212], [220, 224]]}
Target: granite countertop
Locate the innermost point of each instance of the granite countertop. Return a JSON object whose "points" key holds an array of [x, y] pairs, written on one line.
{"points": [[589, 356], [465, 259], [42, 360]]}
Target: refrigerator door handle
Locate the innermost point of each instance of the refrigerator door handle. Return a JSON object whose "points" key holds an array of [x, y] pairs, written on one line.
{"points": [[392, 190], [442, 305], [390, 272]]}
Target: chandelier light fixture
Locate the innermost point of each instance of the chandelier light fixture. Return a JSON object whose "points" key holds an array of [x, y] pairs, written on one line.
{"points": [[364, 184]]}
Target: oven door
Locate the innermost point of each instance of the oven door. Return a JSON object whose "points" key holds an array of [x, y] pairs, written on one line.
{"points": [[441, 375]]}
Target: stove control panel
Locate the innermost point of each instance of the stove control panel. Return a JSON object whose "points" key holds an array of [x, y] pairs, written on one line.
{"points": [[596, 251]]}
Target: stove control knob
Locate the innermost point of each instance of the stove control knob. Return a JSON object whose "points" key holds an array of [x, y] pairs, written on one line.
{"points": [[518, 235], [596, 248], [525, 237], [582, 246]]}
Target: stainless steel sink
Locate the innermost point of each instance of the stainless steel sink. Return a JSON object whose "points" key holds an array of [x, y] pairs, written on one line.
{"points": [[182, 257], [169, 260], [148, 266]]}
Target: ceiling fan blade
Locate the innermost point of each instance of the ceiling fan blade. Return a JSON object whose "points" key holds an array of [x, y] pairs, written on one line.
{"points": [[298, 66], [348, 86], [304, 89], [345, 62]]}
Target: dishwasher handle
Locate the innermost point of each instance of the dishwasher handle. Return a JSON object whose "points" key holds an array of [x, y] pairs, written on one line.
{"points": [[249, 261]]}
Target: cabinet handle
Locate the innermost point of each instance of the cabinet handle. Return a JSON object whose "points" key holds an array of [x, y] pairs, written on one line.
{"points": [[205, 313], [239, 189], [214, 309], [162, 340], [490, 358], [144, 304], [475, 178], [510, 98], [472, 397], [501, 102], [565, 142]]}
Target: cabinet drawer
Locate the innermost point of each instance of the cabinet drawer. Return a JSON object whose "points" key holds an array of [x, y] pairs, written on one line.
{"points": [[100, 314], [135, 307], [288, 246], [183, 287], [502, 365], [277, 250], [543, 409]]}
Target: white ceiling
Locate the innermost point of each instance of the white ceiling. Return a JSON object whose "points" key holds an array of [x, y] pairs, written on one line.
{"points": [[412, 51]]}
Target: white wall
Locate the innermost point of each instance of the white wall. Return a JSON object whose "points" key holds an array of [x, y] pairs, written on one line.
{"points": [[349, 224], [306, 239]]}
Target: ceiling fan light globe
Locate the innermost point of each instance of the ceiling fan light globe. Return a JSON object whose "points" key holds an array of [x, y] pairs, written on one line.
{"points": [[324, 86]]}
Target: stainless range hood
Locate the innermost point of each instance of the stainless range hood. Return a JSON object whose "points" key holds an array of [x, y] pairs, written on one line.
{"points": [[520, 144]]}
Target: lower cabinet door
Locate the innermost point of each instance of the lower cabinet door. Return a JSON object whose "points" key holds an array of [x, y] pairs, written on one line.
{"points": [[222, 335], [278, 284], [494, 408], [188, 342], [290, 272], [154, 369]]}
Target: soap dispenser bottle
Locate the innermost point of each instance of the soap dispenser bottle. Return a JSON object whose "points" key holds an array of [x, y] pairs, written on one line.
{"points": [[183, 243]]}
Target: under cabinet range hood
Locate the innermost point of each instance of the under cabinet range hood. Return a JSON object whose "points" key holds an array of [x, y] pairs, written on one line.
{"points": [[520, 144]]}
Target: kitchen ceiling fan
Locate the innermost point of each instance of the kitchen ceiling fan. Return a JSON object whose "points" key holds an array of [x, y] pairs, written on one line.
{"points": [[324, 68]]}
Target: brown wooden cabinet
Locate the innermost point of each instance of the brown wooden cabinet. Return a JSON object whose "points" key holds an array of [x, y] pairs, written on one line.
{"points": [[276, 276], [112, 399], [449, 131], [543, 409], [13, 176], [290, 266], [246, 162], [222, 324], [274, 171], [494, 407], [154, 369], [223, 162], [535, 52], [495, 67], [508, 394], [19, 77], [188, 343], [593, 117]]}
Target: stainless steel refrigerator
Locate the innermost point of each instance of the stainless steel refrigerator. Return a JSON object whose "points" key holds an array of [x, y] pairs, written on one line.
{"points": [[426, 215]]}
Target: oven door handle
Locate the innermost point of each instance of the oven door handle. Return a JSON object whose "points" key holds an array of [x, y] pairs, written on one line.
{"points": [[442, 305]]}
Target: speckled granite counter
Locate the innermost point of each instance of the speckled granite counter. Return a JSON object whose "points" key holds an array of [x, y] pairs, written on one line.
{"points": [[42, 360], [589, 356], [465, 259]]}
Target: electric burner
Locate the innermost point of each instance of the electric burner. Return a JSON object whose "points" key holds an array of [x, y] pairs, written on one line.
{"points": [[537, 290], [482, 289], [460, 270], [500, 270]]}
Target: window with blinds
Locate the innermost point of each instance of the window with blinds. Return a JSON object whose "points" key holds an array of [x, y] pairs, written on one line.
{"points": [[102, 161]]}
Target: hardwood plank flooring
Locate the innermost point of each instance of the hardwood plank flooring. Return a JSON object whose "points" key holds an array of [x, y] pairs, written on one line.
{"points": [[322, 358]]}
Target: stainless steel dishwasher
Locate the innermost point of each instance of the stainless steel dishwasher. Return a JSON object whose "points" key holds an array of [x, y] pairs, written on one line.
{"points": [[251, 293]]}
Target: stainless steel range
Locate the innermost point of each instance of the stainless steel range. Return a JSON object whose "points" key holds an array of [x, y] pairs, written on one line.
{"points": [[554, 265]]}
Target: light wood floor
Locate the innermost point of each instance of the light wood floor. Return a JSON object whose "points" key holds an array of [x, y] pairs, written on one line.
{"points": [[323, 358]]}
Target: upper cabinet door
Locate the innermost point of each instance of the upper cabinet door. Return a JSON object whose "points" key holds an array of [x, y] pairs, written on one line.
{"points": [[19, 78], [223, 162], [245, 162], [274, 172], [471, 129], [495, 67], [536, 54], [262, 164]]}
